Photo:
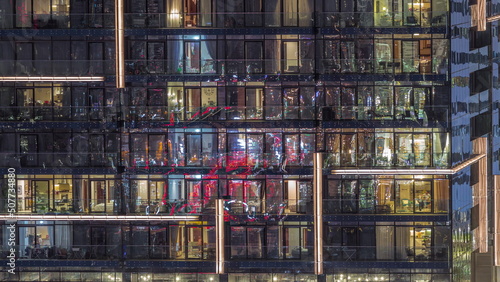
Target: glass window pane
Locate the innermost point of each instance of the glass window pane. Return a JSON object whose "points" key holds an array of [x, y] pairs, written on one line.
{"points": [[404, 196], [192, 57], [238, 243], [193, 149], [176, 149]]}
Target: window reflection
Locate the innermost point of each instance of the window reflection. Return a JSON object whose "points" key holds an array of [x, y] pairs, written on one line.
{"points": [[386, 196]]}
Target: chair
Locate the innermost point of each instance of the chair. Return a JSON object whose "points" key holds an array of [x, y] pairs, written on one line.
{"points": [[411, 20], [61, 253]]}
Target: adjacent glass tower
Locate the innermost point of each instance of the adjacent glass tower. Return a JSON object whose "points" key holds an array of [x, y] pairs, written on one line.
{"points": [[250, 140]]}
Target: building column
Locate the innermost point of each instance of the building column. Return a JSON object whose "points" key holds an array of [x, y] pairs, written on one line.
{"points": [[318, 213], [219, 236], [119, 44], [479, 190]]}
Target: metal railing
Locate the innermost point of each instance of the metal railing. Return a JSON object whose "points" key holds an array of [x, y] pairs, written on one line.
{"points": [[195, 251], [57, 68], [370, 205], [64, 20], [170, 115]]}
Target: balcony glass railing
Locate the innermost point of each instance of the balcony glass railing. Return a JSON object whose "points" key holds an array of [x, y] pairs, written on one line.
{"points": [[367, 204], [206, 251], [192, 250], [386, 253], [224, 67], [417, 65], [251, 161], [57, 20], [60, 159], [61, 68], [424, 65], [389, 158], [250, 207], [63, 20], [383, 19], [256, 206], [53, 111]]}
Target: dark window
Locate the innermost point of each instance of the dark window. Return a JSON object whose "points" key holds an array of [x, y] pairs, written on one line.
{"points": [[479, 39], [480, 80], [480, 125]]}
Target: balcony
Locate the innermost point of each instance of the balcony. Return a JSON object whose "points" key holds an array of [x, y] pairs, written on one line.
{"points": [[64, 20]]}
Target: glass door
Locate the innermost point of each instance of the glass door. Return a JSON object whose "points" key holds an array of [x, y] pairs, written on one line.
{"points": [[197, 243], [254, 103], [96, 57], [253, 13], [236, 193], [383, 149], [253, 195], [404, 196], [384, 202], [421, 99], [156, 57], [236, 101], [254, 54], [404, 103], [349, 150], [98, 197], [366, 144], [333, 196], [209, 148], [423, 243], [291, 56], [292, 242], [291, 103], [157, 150], [98, 242], [194, 196], [158, 240], [140, 195], [237, 152], [366, 196], [96, 102], [24, 13], [349, 196], [192, 57], [193, 149], [290, 13], [292, 149], [410, 55], [42, 196], [24, 58], [255, 243], [96, 11], [157, 190], [404, 149], [423, 198], [191, 13], [422, 149], [348, 51], [28, 147], [255, 150], [193, 103]]}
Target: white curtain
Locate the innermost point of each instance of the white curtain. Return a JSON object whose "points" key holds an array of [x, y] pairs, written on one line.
{"points": [[385, 242], [305, 13], [403, 243], [63, 236], [174, 13], [290, 9]]}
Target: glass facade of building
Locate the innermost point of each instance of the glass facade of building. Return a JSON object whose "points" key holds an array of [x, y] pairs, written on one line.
{"points": [[363, 125]]}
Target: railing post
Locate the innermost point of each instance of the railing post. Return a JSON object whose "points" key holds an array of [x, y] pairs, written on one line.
{"points": [[119, 44], [219, 236], [318, 213]]}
